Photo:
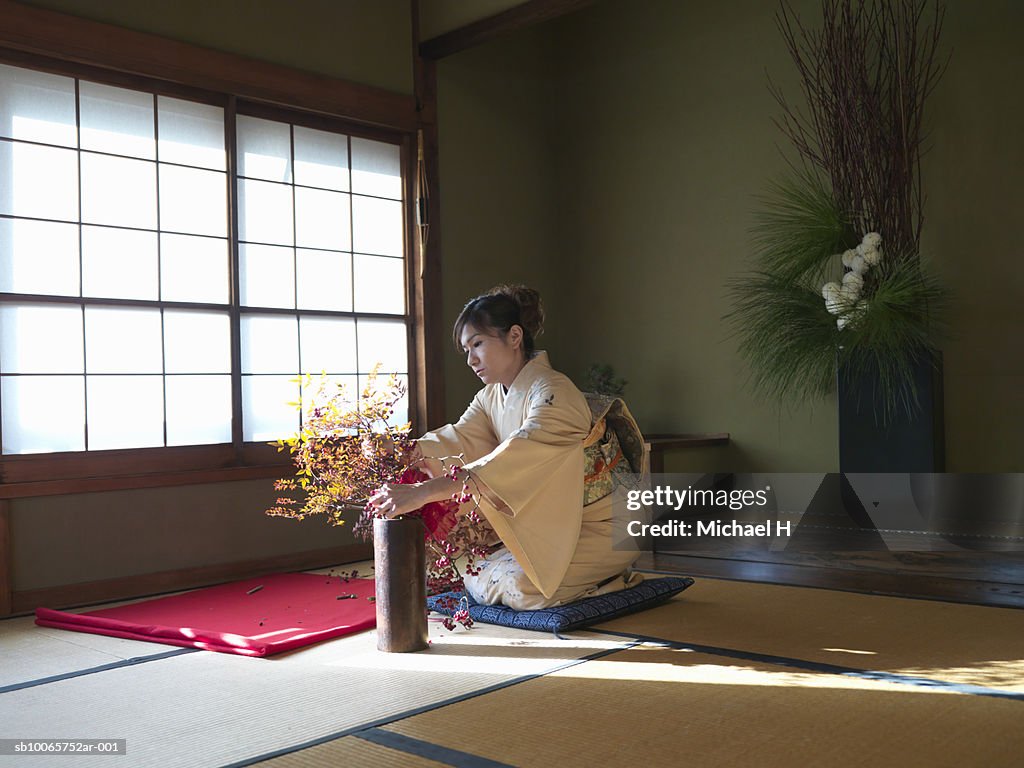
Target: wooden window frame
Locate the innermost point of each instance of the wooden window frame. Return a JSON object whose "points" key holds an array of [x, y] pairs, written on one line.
{"points": [[71, 46]]}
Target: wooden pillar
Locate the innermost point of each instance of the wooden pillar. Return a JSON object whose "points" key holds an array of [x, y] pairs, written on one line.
{"points": [[427, 296]]}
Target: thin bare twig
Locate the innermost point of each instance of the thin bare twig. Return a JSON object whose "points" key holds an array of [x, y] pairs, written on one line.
{"points": [[865, 76]]}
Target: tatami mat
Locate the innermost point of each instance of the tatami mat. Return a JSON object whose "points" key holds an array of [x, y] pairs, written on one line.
{"points": [[350, 752], [382, 749], [758, 675], [959, 643], [211, 709], [654, 707], [31, 653]]}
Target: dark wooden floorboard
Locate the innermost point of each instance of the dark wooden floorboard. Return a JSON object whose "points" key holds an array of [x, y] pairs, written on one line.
{"points": [[990, 578]]}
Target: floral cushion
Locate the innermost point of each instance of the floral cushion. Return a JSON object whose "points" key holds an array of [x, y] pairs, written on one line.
{"points": [[562, 618]]}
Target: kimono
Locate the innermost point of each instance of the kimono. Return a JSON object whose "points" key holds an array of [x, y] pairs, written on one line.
{"points": [[523, 449]]}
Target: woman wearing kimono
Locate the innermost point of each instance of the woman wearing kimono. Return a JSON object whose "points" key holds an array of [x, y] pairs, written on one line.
{"points": [[522, 443]]}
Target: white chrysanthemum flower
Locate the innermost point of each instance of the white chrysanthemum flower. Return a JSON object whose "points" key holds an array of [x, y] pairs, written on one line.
{"points": [[858, 264], [849, 294], [854, 281], [835, 305], [841, 321], [830, 290], [872, 257], [848, 257], [872, 240]]}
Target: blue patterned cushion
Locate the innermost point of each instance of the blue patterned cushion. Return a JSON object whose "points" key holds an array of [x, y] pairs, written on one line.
{"points": [[563, 618]]}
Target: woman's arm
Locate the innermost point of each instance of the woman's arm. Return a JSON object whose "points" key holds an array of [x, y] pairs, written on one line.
{"points": [[556, 421], [396, 499], [471, 437]]}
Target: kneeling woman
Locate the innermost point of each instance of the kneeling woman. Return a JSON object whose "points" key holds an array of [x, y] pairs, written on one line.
{"points": [[522, 440]]}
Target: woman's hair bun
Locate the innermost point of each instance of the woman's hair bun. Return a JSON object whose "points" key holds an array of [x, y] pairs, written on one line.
{"points": [[498, 310], [531, 309]]}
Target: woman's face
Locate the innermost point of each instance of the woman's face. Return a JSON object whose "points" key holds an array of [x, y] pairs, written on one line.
{"points": [[492, 356]]}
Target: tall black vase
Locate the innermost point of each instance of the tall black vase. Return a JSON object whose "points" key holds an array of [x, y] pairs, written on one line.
{"points": [[909, 441]]}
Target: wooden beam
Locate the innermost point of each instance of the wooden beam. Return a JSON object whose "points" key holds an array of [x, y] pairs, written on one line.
{"points": [[430, 315], [90, 593], [520, 17], [69, 38], [6, 559], [152, 480]]}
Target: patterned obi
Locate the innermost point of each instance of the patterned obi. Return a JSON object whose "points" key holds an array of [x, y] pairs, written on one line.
{"points": [[614, 453]]}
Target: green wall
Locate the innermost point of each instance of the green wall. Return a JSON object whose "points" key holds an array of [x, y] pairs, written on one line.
{"points": [[658, 139], [499, 213], [975, 199], [664, 138]]}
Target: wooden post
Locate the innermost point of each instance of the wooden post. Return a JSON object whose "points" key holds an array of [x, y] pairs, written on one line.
{"points": [[427, 300], [399, 555]]}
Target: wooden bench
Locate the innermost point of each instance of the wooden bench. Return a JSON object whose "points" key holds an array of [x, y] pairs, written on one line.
{"points": [[659, 443]]}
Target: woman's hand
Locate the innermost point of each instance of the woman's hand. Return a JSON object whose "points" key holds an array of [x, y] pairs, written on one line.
{"points": [[395, 499], [430, 467]]}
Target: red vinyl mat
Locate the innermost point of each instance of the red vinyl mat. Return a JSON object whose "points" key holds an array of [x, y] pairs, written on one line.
{"points": [[255, 617]]}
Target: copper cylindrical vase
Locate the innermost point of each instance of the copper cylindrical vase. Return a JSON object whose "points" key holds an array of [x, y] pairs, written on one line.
{"points": [[400, 570]]}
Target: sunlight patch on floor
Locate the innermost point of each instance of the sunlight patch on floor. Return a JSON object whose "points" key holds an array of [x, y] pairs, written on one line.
{"points": [[484, 649], [726, 674], [1006, 675]]}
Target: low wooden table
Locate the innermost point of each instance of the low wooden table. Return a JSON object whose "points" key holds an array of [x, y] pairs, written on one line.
{"points": [[660, 443]]}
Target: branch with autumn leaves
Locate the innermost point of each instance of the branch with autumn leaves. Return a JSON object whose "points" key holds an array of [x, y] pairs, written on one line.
{"points": [[349, 447]]}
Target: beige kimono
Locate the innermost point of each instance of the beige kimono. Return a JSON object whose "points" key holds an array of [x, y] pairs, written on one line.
{"points": [[524, 449]]}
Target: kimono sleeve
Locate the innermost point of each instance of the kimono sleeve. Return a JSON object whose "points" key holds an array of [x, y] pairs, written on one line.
{"points": [[533, 483], [472, 435]]}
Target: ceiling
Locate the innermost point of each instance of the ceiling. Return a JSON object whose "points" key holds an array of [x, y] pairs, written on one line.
{"points": [[440, 16]]}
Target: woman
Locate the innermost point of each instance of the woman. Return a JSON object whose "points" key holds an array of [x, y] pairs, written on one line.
{"points": [[522, 443]]}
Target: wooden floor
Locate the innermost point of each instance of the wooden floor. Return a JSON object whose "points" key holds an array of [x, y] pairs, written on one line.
{"points": [[982, 578]]}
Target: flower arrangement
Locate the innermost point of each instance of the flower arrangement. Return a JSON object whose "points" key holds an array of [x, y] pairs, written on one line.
{"points": [[819, 234], [844, 299], [349, 447]]}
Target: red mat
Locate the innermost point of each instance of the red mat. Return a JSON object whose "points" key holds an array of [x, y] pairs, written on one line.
{"points": [[255, 617]]}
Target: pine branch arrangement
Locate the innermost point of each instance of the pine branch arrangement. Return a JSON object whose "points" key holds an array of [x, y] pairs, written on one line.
{"points": [[837, 279]]}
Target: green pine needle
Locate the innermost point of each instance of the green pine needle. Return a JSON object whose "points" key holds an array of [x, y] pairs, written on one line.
{"points": [[800, 229]]}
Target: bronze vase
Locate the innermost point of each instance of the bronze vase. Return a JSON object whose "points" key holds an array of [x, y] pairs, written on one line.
{"points": [[399, 556]]}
